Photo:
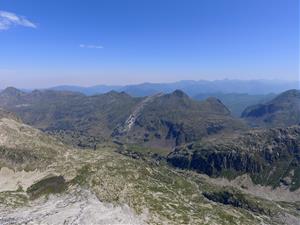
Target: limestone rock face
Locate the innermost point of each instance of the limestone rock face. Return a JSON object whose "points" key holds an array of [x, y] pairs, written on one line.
{"points": [[269, 155]]}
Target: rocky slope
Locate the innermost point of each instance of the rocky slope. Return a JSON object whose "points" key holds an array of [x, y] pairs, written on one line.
{"points": [[270, 157], [23, 147], [44, 181], [173, 119], [8, 115], [282, 111]]}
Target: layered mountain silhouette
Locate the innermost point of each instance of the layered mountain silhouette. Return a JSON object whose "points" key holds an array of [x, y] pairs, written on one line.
{"points": [[191, 87]]}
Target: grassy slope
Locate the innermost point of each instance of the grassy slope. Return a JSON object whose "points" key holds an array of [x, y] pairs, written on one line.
{"points": [[145, 185]]}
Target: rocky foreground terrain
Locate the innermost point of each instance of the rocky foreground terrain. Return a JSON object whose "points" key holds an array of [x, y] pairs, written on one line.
{"points": [[270, 156], [66, 158], [43, 181]]}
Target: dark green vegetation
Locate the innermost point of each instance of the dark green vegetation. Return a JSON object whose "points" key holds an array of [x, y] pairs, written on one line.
{"points": [[48, 185], [237, 102], [282, 111], [236, 199], [270, 157]]}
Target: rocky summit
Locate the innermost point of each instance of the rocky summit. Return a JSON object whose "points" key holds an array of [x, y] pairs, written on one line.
{"points": [[168, 120]]}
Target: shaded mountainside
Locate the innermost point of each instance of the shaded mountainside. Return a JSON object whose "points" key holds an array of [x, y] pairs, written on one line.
{"points": [[270, 157], [174, 119], [237, 102], [282, 111], [104, 187], [159, 120]]}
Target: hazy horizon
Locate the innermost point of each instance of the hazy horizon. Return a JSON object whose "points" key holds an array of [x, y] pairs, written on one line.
{"points": [[275, 81]]}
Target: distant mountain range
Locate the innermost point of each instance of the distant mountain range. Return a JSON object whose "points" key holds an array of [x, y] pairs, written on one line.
{"points": [[159, 120], [190, 87], [235, 94]]}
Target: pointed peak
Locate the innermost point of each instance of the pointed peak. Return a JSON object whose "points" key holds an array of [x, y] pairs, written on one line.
{"points": [[114, 93], [179, 93]]}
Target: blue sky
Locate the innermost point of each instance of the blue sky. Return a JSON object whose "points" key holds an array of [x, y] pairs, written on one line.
{"points": [[51, 42]]}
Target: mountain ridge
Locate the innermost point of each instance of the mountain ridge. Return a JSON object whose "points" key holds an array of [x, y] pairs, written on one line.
{"points": [[165, 118], [283, 110], [175, 118], [191, 87]]}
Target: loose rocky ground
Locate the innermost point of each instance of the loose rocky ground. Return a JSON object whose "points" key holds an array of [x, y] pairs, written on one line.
{"points": [[78, 207], [47, 182]]}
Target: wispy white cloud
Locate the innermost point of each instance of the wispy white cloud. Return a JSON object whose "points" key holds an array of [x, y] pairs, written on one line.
{"points": [[9, 19], [90, 46]]}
